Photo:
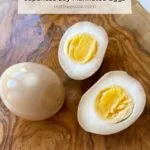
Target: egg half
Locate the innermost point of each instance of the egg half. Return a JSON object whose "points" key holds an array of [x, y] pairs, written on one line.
{"points": [[111, 105], [31, 91], [82, 49]]}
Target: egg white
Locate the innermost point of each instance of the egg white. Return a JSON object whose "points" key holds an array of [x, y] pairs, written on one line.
{"points": [[91, 122], [82, 71]]}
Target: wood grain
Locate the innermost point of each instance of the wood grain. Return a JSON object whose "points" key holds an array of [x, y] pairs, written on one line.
{"points": [[36, 38]]}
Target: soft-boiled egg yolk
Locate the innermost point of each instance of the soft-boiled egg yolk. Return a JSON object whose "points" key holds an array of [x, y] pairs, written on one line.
{"points": [[113, 104], [82, 48]]}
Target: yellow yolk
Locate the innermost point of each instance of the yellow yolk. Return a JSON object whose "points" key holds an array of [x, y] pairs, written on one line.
{"points": [[113, 104], [82, 48]]}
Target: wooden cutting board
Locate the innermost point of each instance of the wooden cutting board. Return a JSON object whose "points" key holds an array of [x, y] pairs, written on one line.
{"points": [[36, 38]]}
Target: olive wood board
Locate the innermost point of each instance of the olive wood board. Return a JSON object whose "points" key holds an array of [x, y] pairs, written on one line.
{"points": [[36, 38]]}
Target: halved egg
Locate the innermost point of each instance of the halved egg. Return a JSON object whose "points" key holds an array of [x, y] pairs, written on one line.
{"points": [[82, 49], [111, 105], [31, 91]]}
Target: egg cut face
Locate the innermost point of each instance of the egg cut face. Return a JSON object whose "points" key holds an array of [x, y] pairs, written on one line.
{"points": [[82, 49], [112, 104]]}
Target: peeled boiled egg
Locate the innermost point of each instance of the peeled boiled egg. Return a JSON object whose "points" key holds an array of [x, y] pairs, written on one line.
{"points": [[82, 49], [31, 91], [111, 105]]}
